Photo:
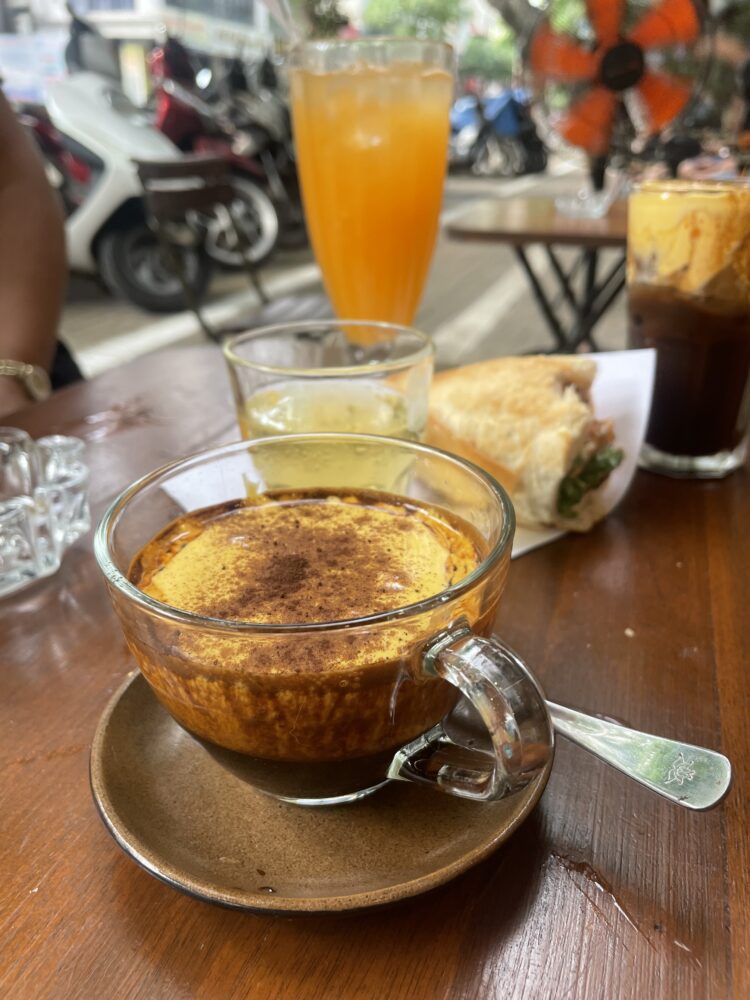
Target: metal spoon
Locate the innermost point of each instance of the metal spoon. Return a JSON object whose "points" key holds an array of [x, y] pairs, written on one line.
{"points": [[685, 774]]}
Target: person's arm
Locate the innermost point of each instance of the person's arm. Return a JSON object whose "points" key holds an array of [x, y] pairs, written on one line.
{"points": [[33, 268]]}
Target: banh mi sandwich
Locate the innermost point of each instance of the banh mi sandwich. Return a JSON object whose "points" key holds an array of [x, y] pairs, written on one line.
{"points": [[530, 423]]}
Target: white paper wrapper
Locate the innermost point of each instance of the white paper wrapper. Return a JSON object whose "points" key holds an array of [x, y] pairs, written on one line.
{"points": [[622, 393]]}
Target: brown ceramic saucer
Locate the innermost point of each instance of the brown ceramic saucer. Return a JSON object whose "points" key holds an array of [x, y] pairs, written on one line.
{"points": [[196, 826]]}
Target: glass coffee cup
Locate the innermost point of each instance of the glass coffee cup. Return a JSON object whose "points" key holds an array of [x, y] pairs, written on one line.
{"points": [[312, 711], [689, 298]]}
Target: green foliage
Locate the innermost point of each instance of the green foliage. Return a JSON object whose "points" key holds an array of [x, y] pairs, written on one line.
{"points": [[413, 18], [488, 59], [323, 16], [735, 18], [568, 15]]}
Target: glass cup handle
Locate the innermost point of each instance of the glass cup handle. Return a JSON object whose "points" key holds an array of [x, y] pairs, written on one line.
{"points": [[511, 706]]}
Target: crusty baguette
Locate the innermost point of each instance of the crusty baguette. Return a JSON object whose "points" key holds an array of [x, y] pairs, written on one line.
{"points": [[526, 420]]}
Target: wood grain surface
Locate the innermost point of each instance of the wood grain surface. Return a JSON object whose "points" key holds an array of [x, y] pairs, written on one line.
{"points": [[522, 220], [607, 891]]}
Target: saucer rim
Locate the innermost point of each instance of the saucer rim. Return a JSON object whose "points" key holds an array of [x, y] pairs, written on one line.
{"points": [[247, 901]]}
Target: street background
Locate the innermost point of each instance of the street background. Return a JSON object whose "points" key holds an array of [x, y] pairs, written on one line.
{"points": [[477, 303]]}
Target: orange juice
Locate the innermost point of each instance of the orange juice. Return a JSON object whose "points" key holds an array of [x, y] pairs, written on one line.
{"points": [[372, 148]]}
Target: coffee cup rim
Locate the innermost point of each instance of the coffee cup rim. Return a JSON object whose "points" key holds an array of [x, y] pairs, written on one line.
{"points": [[117, 579]]}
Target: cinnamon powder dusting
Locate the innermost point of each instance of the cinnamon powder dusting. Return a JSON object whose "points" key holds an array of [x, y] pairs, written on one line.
{"points": [[301, 558]]}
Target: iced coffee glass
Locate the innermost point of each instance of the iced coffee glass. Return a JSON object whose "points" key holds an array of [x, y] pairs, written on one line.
{"points": [[689, 298]]}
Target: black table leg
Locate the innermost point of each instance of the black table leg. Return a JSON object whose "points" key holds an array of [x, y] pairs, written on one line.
{"points": [[565, 279], [602, 296], [540, 295], [587, 306]]}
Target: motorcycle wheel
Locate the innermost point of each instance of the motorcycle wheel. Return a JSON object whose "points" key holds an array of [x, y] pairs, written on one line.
{"points": [[494, 158], [255, 213], [517, 158], [536, 160], [133, 267]]}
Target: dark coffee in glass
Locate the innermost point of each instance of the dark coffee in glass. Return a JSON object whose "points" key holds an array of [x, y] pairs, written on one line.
{"points": [[689, 299]]}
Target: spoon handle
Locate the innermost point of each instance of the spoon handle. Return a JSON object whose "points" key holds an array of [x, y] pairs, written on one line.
{"points": [[690, 776]]}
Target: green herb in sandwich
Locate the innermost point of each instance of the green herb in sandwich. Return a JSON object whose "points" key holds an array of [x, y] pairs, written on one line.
{"points": [[587, 475]]}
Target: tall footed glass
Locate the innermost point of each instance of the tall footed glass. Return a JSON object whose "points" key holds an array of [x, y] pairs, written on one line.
{"points": [[371, 124], [338, 683]]}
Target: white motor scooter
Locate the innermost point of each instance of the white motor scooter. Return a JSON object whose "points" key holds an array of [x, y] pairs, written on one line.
{"points": [[107, 230]]}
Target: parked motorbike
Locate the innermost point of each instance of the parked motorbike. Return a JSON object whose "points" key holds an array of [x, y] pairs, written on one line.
{"points": [[495, 137], [194, 125], [90, 137], [252, 99], [68, 172]]}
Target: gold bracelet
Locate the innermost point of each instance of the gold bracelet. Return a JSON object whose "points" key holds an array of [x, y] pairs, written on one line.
{"points": [[33, 378]]}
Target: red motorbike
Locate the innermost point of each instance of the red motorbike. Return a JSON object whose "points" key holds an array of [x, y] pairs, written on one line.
{"points": [[69, 171], [196, 126]]}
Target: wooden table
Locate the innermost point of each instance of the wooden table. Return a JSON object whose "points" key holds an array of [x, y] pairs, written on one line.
{"points": [[522, 222], [607, 891]]}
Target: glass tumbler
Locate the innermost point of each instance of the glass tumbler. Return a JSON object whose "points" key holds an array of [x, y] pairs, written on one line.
{"points": [[353, 377], [43, 504], [689, 299]]}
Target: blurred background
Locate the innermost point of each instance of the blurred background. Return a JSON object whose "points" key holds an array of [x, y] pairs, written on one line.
{"points": [[208, 76]]}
